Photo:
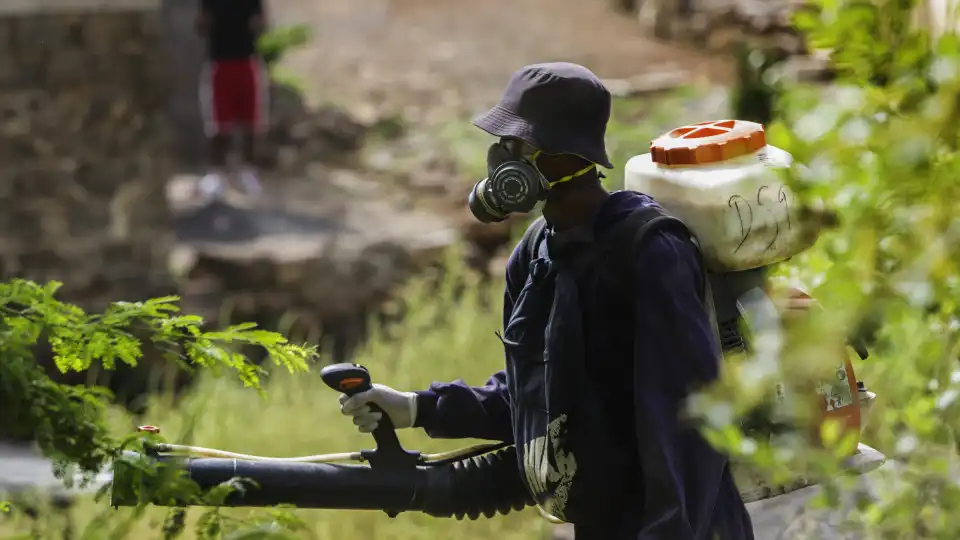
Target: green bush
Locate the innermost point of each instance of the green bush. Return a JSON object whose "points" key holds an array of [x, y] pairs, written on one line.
{"points": [[274, 44], [69, 423], [880, 147]]}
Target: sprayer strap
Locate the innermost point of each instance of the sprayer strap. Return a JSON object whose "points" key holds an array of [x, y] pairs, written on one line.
{"points": [[632, 231], [531, 240], [645, 221]]}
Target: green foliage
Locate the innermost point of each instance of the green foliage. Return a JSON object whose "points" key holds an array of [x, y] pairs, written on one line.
{"points": [[756, 91], [275, 44], [872, 42], [880, 147], [67, 421]]}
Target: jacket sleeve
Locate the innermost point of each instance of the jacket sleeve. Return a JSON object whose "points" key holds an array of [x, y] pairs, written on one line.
{"points": [[456, 410], [675, 350]]}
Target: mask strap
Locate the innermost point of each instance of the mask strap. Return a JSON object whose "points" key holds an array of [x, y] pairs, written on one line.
{"points": [[567, 178], [581, 172]]}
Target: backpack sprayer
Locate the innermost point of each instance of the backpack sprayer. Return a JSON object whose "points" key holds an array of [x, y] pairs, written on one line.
{"points": [[717, 177], [720, 179]]}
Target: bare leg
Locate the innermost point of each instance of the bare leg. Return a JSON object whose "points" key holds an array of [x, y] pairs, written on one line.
{"points": [[219, 151], [213, 184], [248, 171], [249, 147]]}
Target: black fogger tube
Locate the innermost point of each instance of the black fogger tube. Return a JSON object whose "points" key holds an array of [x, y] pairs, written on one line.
{"points": [[264, 483], [483, 485]]}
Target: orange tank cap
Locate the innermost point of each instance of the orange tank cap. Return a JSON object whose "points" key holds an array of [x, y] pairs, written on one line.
{"points": [[708, 142]]}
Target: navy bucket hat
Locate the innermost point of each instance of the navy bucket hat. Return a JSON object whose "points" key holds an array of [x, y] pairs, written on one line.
{"points": [[557, 107]]}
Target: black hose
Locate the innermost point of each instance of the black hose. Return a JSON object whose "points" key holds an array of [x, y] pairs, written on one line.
{"points": [[481, 485], [476, 486]]}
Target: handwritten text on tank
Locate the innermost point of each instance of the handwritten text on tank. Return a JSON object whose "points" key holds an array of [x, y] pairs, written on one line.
{"points": [[761, 212]]}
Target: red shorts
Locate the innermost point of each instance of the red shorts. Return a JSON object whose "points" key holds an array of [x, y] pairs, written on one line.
{"points": [[234, 96]]}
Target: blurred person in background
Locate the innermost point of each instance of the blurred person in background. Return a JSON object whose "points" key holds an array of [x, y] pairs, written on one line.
{"points": [[608, 328], [234, 87]]}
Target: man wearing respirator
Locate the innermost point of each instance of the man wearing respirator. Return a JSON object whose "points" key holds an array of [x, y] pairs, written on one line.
{"points": [[607, 329]]}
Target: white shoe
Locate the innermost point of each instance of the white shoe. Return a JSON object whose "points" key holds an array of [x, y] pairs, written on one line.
{"points": [[211, 187], [250, 182]]}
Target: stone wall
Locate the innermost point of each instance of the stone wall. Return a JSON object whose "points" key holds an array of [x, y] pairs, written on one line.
{"points": [[185, 52], [721, 25], [85, 147]]}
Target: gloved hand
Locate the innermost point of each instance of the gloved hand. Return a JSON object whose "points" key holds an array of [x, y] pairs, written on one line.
{"points": [[400, 407]]}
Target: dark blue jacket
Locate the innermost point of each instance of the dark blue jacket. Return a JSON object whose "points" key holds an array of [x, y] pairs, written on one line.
{"points": [[647, 355]]}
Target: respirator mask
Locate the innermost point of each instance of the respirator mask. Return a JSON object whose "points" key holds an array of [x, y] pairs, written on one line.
{"points": [[513, 183]]}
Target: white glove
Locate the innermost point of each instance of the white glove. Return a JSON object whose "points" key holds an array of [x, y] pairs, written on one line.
{"points": [[400, 407]]}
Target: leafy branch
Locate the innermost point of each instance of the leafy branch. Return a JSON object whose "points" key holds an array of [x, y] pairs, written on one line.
{"points": [[67, 421]]}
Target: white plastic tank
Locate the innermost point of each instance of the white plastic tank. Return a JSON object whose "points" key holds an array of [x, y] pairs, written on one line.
{"points": [[718, 177]]}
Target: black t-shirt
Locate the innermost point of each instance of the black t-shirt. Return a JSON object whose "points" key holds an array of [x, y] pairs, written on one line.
{"points": [[230, 35]]}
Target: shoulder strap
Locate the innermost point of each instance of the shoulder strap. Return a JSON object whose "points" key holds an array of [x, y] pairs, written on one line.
{"points": [[640, 223], [530, 243], [634, 229], [631, 231]]}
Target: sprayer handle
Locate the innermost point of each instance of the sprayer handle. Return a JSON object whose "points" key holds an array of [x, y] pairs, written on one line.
{"points": [[347, 378], [352, 379]]}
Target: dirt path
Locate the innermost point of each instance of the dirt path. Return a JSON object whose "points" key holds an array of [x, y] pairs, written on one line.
{"points": [[430, 58]]}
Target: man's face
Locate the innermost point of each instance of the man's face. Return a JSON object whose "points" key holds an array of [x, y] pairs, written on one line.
{"points": [[553, 167]]}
